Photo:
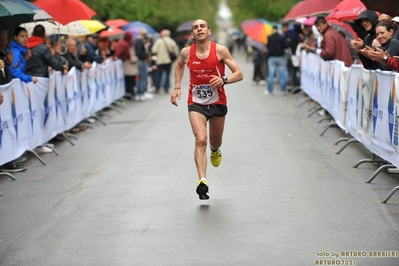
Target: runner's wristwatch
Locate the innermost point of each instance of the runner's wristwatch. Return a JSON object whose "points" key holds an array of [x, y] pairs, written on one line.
{"points": [[225, 80]]}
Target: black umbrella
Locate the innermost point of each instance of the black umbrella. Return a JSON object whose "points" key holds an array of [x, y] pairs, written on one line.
{"points": [[390, 7], [13, 14]]}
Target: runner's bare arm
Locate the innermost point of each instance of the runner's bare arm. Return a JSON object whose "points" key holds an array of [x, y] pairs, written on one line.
{"points": [[179, 71], [225, 56]]}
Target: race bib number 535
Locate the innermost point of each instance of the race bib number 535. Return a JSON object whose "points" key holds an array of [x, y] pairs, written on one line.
{"points": [[204, 94]]}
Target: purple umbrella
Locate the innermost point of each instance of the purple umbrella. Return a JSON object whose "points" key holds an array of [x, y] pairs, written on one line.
{"points": [[136, 26], [186, 26]]}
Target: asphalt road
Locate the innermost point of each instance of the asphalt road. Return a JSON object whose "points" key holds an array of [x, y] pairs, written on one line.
{"points": [[125, 193]]}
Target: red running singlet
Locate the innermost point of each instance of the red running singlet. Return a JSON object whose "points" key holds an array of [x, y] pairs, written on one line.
{"points": [[199, 91]]}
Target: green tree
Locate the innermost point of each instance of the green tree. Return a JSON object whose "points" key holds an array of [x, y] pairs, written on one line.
{"points": [[271, 10]]}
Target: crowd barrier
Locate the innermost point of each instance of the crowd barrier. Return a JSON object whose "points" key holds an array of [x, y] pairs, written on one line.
{"points": [[363, 103], [32, 114]]}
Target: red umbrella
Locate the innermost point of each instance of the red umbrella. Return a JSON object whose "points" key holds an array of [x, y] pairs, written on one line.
{"points": [[116, 23], [111, 31], [384, 6], [309, 8], [65, 11], [347, 10]]}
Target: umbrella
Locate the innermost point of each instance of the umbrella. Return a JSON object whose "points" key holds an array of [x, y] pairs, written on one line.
{"points": [[136, 26], [384, 6], [347, 10], [116, 23], [65, 11], [258, 45], [40, 13], [257, 29], [51, 28], [186, 26], [309, 8], [13, 14], [111, 31], [93, 25]]}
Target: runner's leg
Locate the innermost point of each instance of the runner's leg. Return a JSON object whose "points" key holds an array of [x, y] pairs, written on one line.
{"points": [[198, 125], [216, 127]]}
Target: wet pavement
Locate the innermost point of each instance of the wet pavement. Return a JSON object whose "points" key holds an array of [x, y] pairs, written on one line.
{"points": [[125, 193]]}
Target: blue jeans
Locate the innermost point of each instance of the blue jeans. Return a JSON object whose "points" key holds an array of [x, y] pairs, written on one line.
{"points": [[143, 74], [277, 63]]}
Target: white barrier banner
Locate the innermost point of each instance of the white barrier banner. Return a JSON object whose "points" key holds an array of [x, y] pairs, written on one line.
{"points": [[384, 85], [32, 114], [365, 107]]}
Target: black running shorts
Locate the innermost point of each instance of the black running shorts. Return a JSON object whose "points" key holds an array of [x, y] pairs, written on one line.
{"points": [[209, 111]]}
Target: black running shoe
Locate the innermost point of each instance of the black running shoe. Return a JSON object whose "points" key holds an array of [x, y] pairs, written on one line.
{"points": [[202, 190]]}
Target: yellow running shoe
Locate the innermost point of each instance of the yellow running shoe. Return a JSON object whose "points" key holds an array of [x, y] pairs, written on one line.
{"points": [[216, 157], [202, 189]]}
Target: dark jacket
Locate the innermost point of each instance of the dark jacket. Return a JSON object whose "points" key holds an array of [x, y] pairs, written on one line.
{"points": [[392, 47], [73, 61], [140, 50], [368, 39], [276, 44], [91, 55], [6, 76], [17, 68], [41, 59]]}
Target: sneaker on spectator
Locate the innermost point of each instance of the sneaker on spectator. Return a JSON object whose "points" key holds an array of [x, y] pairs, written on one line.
{"points": [[43, 150], [51, 145], [262, 82], [266, 92], [148, 96], [12, 167], [91, 120]]}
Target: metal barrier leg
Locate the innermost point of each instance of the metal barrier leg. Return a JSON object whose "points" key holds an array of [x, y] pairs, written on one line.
{"points": [[296, 89], [114, 108], [8, 175], [37, 156], [327, 126], [318, 108], [390, 194], [313, 107], [352, 140], [101, 113], [129, 96], [373, 159], [326, 117], [379, 170], [305, 101], [99, 119], [66, 137], [340, 140]]}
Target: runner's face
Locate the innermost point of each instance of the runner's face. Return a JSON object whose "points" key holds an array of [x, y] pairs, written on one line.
{"points": [[383, 35], [201, 30]]}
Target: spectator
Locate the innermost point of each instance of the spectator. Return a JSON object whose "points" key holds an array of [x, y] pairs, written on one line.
{"points": [[72, 57], [41, 59], [293, 41], [124, 51], [276, 45], [5, 58], [103, 48], [20, 53], [142, 64], [389, 46], [333, 46], [91, 47], [257, 60], [367, 19], [161, 48]]}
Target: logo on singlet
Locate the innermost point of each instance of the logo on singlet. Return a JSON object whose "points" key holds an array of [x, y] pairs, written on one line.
{"points": [[196, 63]]}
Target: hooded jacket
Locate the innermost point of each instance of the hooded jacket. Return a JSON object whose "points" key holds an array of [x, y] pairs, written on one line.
{"points": [[368, 39], [123, 47], [41, 59], [17, 68]]}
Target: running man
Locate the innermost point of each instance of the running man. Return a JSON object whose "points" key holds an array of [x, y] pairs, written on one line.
{"points": [[207, 100]]}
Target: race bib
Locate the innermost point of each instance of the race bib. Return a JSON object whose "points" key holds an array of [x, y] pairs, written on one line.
{"points": [[204, 94]]}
